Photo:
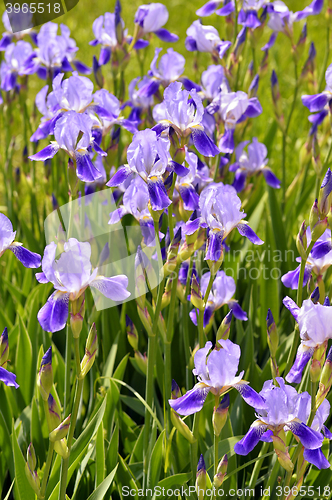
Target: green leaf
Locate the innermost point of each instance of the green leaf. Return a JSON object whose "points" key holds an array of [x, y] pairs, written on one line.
{"points": [[81, 469], [24, 490], [175, 480], [155, 462], [102, 489], [23, 364], [9, 491], [100, 456]]}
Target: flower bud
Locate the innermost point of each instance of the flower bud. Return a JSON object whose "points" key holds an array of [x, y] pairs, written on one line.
{"points": [[182, 427], [90, 351], [77, 316], [176, 393], [272, 334], [319, 229], [221, 472], [314, 215], [31, 457], [132, 334], [201, 479], [166, 298], [253, 88], [196, 296], [325, 380], [301, 242], [118, 23], [279, 443], [4, 349], [299, 49], [219, 416], [145, 318], [141, 361], [54, 413], [97, 73], [45, 375], [315, 369], [200, 239], [224, 328], [61, 431], [60, 447], [315, 295], [325, 194], [329, 218], [33, 479], [172, 252]]}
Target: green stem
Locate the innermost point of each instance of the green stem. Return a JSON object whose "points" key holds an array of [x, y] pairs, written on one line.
{"points": [[152, 348], [287, 482], [185, 319], [47, 468], [257, 467], [272, 479], [194, 447], [201, 313], [67, 368], [314, 386]]}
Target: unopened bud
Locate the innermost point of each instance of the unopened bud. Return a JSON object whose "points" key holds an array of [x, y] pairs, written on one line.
{"points": [[171, 261], [4, 349], [319, 229], [315, 295], [325, 194], [196, 296], [325, 380], [279, 443], [61, 431], [182, 427], [224, 328], [45, 375], [272, 334], [176, 393], [219, 416], [118, 23], [201, 479], [90, 351], [301, 241], [77, 316], [33, 479], [60, 447], [31, 457], [141, 361], [145, 318], [54, 413], [97, 73], [132, 334], [166, 298], [221, 472]]}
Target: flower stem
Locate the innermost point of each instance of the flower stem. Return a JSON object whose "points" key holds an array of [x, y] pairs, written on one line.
{"points": [[47, 468], [257, 467], [201, 313], [67, 368]]}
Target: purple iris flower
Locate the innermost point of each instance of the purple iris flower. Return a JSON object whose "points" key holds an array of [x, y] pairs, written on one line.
{"points": [[108, 109], [148, 156], [135, 202], [221, 294], [71, 275], [151, 19], [251, 163], [191, 184], [216, 372], [8, 36], [13, 65], [233, 108], [213, 82], [317, 102], [318, 261], [169, 69], [7, 237], [54, 54], [185, 116], [315, 325], [205, 39], [104, 30], [8, 378], [221, 212], [228, 6], [248, 15], [5, 376], [316, 456], [72, 94], [282, 409], [73, 134], [138, 101], [281, 19]]}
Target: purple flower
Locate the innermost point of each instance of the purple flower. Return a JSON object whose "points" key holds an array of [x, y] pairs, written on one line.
{"points": [[7, 237], [216, 372], [104, 30], [151, 19], [54, 53], [212, 6], [13, 65], [5, 376], [205, 39], [281, 19], [213, 82], [8, 378], [316, 456], [71, 274], [221, 294], [135, 202], [233, 108], [315, 325], [318, 261], [280, 411], [185, 116], [108, 109], [191, 184], [148, 157], [317, 102], [8, 36], [248, 15], [253, 162], [73, 134], [220, 212]]}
